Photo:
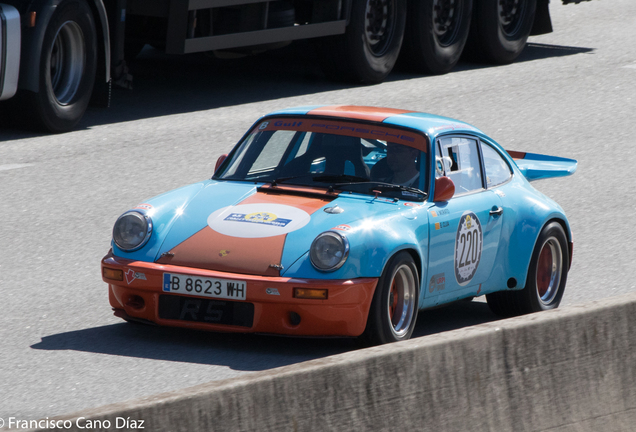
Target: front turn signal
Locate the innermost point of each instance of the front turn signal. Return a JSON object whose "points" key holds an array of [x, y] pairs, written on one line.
{"points": [[113, 274], [312, 294]]}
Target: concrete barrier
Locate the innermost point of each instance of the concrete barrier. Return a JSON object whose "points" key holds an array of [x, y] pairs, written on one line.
{"points": [[572, 369]]}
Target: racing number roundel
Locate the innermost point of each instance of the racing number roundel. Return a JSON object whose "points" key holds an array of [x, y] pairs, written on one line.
{"points": [[468, 244]]}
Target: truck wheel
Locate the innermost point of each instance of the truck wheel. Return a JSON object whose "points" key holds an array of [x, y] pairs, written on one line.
{"points": [[67, 68], [394, 306], [436, 32], [547, 275], [368, 50], [500, 29]]}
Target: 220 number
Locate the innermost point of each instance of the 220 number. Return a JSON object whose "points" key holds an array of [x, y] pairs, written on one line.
{"points": [[471, 247]]}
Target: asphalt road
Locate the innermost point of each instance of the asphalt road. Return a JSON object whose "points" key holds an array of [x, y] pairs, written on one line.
{"points": [[571, 94]]}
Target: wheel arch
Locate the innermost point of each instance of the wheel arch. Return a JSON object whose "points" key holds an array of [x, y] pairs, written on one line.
{"points": [[103, 49], [417, 259], [568, 235], [33, 41], [522, 280]]}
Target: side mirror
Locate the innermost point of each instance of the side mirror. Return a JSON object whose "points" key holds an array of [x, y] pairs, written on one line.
{"points": [[219, 162], [444, 189]]}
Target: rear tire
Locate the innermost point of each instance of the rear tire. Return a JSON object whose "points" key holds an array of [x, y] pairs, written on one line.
{"points": [[68, 64], [500, 29], [436, 33], [547, 276], [368, 50], [395, 303]]}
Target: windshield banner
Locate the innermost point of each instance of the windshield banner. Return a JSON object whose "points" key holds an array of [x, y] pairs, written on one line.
{"points": [[362, 130]]}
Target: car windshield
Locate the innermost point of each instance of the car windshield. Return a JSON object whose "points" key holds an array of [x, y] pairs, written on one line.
{"points": [[357, 157]]}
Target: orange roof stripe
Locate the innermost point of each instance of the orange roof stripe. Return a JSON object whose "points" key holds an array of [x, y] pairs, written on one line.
{"points": [[358, 112]]}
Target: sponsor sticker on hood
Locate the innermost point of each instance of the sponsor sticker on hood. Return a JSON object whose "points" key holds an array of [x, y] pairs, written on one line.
{"points": [[257, 220]]}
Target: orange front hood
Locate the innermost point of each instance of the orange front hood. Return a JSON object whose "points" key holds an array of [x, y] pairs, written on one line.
{"points": [[248, 237]]}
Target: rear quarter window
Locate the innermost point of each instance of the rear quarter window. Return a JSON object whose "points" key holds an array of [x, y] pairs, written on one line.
{"points": [[497, 170]]}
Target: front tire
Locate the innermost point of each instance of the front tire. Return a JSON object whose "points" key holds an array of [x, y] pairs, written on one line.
{"points": [[436, 33], [368, 50], [394, 307], [68, 64], [547, 276], [500, 30]]}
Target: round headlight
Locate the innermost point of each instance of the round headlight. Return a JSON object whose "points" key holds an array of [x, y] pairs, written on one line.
{"points": [[132, 230], [329, 251]]}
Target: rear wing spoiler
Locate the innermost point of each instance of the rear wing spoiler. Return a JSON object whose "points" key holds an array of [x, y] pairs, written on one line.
{"points": [[537, 166]]}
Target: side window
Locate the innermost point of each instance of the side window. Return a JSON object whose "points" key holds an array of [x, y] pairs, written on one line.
{"points": [[460, 162], [497, 170]]}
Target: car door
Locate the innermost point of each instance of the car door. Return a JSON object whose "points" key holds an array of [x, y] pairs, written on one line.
{"points": [[465, 231]]}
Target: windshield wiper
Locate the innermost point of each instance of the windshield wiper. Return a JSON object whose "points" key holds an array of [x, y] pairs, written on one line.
{"points": [[284, 179], [402, 188], [351, 179], [386, 186], [321, 177]]}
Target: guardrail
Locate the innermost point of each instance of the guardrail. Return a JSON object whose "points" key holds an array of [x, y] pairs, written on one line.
{"points": [[571, 369]]}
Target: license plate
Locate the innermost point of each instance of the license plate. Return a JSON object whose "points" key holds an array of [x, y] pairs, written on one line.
{"points": [[204, 286]]}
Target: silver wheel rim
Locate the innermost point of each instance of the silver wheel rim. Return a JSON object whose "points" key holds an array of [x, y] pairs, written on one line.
{"points": [[66, 62], [401, 300], [549, 270]]}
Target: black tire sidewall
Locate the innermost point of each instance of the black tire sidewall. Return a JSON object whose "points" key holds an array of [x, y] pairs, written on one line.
{"points": [[422, 50], [379, 327], [497, 46], [553, 229], [367, 67], [54, 116]]}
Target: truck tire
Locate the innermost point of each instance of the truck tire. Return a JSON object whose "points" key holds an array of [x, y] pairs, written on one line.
{"points": [[68, 64], [500, 29], [368, 50], [436, 32]]}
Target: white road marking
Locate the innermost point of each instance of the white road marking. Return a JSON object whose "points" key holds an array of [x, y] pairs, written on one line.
{"points": [[14, 166]]}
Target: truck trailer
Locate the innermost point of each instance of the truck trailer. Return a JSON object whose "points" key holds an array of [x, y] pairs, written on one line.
{"points": [[59, 56]]}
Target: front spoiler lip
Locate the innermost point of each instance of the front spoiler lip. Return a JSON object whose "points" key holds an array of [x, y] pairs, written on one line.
{"points": [[344, 313]]}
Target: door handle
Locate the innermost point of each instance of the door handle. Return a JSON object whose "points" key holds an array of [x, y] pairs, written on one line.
{"points": [[496, 211]]}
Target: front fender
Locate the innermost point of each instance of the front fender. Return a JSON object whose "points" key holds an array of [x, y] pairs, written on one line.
{"points": [[163, 210], [372, 243]]}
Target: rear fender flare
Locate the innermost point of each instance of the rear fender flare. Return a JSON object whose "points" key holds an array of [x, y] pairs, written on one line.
{"points": [[522, 271]]}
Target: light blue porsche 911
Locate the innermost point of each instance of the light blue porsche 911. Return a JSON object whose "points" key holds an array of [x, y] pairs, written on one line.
{"points": [[345, 221]]}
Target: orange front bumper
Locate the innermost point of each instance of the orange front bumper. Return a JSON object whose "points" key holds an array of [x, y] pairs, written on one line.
{"points": [[343, 313]]}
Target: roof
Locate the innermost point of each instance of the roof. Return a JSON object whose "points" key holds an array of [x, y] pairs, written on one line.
{"points": [[430, 124]]}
